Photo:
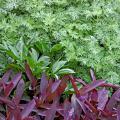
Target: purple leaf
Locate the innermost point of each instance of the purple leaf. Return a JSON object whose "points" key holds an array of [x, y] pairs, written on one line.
{"points": [[74, 84], [15, 114], [30, 76], [92, 75], [40, 112], [68, 110], [28, 109], [81, 81], [110, 85], [6, 76], [7, 102], [118, 113], [91, 86], [37, 118], [4, 79], [50, 114], [19, 91], [61, 88], [43, 84], [8, 89], [76, 106], [90, 106], [87, 108], [55, 85], [81, 103], [12, 84], [2, 117], [94, 95], [113, 100], [102, 98], [30, 118]]}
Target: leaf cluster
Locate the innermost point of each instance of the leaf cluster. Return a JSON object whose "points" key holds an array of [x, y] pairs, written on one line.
{"points": [[44, 100], [84, 32]]}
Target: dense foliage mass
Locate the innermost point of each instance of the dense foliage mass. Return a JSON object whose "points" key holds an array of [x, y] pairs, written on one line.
{"points": [[45, 98], [84, 32]]}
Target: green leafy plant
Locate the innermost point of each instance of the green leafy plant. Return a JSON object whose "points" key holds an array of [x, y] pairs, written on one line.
{"points": [[57, 69], [21, 53]]}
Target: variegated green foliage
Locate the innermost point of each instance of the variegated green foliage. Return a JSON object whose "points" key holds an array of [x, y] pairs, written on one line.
{"points": [[88, 30]]}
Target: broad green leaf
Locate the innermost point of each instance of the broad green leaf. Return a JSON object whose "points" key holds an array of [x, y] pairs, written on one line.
{"points": [[56, 76], [45, 60], [34, 54], [15, 66], [56, 48], [65, 71], [20, 47], [12, 55], [14, 51], [58, 65]]}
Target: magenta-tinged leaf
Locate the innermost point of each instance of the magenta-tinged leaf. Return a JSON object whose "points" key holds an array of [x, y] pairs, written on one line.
{"points": [[81, 81], [110, 85], [81, 103], [91, 102], [87, 108], [40, 112], [7, 102], [19, 91], [12, 84], [37, 118], [30, 76], [28, 109], [113, 100], [14, 114], [91, 86], [8, 89], [30, 118], [6, 76], [43, 84], [16, 78], [61, 88], [4, 79], [102, 98], [2, 117], [118, 113], [92, 75], [74, 84], [50, 114], [76, 106], [94, 96], [68, 110], [55, 85], [90, 106]]}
